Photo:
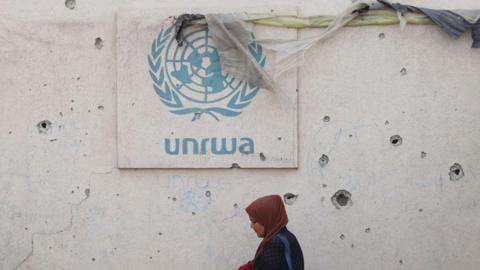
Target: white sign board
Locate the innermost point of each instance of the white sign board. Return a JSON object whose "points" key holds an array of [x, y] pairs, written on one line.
{"points": [[177, 109]]}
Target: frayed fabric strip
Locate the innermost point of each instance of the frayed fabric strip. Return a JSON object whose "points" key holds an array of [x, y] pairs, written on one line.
{"points": [[454, 23]]}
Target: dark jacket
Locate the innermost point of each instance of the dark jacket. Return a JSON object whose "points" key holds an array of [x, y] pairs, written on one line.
{"points": [[273, 254]]}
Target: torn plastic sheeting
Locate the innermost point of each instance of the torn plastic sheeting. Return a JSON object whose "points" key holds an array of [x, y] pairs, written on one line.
{"points": [[455, 23], [471, 16], [290, 54], [232, 37], [181, 22]]}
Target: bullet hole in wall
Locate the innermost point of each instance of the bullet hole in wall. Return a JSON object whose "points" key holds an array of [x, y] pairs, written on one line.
{"points": [[381, 36], [262, 157], [403, 71], [208, 193], [70, 4], [100, 107], [323, 160], [367, 230], [87, 192], [456, 172], [235, 166], [342, 236], [193, 213], [423, 155], [290, 198], [342, 199], [196, 116], [387, 123], [235, 205], [44, 126], [99, 43], [326, 119], [396, 140]]}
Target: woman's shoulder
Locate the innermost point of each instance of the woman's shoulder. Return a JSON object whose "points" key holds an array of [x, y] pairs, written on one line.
{"points": [[272, 256], [288, 234], [274, 243], [277, 243]]}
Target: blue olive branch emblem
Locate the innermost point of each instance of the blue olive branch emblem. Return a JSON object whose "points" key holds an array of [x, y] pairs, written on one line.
{"points": [[189, 79]]}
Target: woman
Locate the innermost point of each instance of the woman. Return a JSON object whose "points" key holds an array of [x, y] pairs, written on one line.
{"points": [[279, 249]]}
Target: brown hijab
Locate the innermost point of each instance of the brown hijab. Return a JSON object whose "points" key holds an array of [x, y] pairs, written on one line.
{"points": [[270, 212]]}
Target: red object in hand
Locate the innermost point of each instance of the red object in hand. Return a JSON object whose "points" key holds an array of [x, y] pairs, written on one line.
{"points": [[247, 266]]}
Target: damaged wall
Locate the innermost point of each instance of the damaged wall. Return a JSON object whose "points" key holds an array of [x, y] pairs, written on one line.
{"points": [[388, 157]]}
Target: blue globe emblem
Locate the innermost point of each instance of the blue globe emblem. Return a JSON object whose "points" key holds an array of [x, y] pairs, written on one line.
{"points": [[189, 79]]}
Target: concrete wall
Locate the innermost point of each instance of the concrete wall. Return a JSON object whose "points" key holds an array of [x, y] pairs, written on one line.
{"points": [[64, 205]]}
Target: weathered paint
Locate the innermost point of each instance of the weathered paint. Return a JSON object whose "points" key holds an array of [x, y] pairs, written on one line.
{"points": [[405, 212]]}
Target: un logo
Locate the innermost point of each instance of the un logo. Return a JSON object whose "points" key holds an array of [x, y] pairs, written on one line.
{"points": [[189, 79]]}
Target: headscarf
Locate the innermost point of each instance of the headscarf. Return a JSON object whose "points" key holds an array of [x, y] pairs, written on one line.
{"points": [[270, 212]]}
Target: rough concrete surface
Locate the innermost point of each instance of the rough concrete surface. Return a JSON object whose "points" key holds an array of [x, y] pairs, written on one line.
{"points": [[374, 204]]}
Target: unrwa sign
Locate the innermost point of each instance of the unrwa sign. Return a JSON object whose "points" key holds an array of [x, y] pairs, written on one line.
{"points": [[224, 146], [189, 80], [177, 107]]}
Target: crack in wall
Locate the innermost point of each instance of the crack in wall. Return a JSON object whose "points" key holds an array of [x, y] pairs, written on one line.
{"points": [[69, 226]]}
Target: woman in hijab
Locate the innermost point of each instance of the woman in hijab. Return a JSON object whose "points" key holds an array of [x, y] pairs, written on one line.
{"points": [[279, 249]]}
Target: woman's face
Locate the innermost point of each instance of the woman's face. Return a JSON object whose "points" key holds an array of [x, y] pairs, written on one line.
{"points": [[258, 228]]}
